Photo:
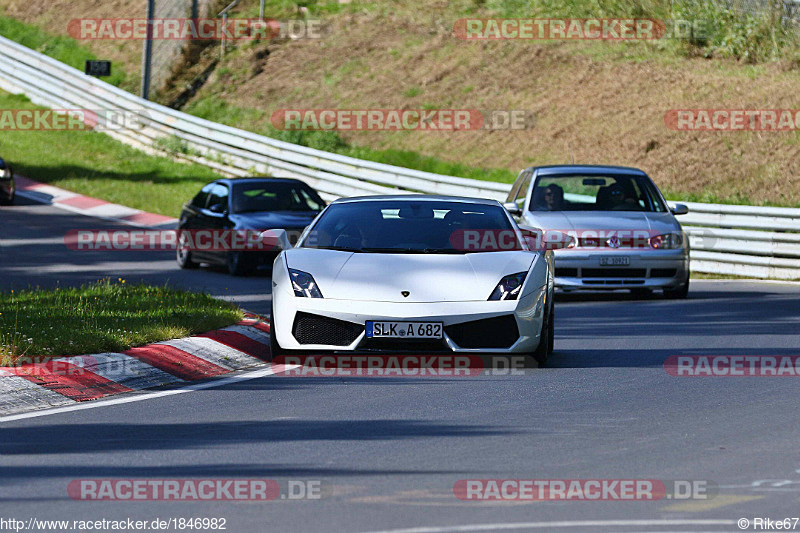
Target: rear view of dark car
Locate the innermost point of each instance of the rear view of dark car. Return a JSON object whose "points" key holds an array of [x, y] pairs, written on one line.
{"points": [[254, 204], [7, 189]]}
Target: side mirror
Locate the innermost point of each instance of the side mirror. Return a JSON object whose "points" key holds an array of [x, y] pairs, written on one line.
{"points": [[218, 208], [550, 239], [276, 238], [513, 208], [558, 240], [679, 209]]}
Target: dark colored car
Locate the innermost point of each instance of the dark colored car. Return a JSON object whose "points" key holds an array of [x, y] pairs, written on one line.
{"points": [[255, 204], [7, 189]]}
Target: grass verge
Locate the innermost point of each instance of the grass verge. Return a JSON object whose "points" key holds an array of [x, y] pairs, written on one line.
{"points": [[256, 120], [93, 163], [64, 49], [103, 317]]}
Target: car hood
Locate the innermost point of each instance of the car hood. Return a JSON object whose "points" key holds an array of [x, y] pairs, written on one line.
{"points": [[607, 221], [263, 220], [426, 277]]}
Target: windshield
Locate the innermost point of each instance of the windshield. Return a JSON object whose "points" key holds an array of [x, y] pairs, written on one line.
{"points": [[410, 227], [595, 193], [275, 196]]}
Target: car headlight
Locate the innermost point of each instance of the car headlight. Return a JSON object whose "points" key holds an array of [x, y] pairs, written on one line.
{"points": [[509, 287], [7, 173], [303, 284], [667, 241]]}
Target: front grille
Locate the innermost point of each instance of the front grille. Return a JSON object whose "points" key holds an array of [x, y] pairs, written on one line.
{"points": [[497, 332], [663, 272], [315, 329], [613, 272], [566, 272]]}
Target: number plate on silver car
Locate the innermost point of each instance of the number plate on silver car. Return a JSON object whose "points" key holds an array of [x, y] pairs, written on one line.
{"points": [[615, 260]]}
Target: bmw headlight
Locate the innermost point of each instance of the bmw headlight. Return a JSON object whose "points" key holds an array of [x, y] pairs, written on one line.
{"points": [[667, 241], [303, 284], [509, 287]]}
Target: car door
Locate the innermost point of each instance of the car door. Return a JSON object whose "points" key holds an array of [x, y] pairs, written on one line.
{"points": [[214, 217]]}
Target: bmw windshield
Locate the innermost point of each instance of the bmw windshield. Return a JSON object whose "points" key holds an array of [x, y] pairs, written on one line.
{"points": [[412, 227]]}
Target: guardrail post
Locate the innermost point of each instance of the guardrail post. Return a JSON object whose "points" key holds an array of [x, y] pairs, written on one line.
{"points": [[147, 51]]}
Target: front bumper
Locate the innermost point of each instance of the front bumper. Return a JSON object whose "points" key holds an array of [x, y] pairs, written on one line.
{"points": [[649, 269], [527, 313]]}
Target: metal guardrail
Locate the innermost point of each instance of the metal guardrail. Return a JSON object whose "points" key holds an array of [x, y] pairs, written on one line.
{"points": [[750, 241]]}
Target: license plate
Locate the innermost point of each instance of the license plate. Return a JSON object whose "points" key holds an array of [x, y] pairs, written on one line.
{"points": [[404, 330], [615, 260]]}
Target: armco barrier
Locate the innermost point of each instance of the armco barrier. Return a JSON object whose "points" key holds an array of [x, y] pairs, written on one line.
{"points": [[750, 241]]}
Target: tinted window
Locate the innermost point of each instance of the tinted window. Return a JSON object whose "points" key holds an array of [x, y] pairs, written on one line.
{"points": [[595, 193], [408, 226], [275, 196], [202, 197]]}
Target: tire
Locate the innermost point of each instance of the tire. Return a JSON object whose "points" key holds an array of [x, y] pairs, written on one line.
{"points": [[184, 258], [237, 264], [274, 348], [552, 334], [681, 293], [8, 200], [545, 347]]}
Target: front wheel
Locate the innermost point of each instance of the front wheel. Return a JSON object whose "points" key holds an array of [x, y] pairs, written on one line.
{"points": [[681, 293], [183, 255], [546, 338], [274, 348], [237, 264]]}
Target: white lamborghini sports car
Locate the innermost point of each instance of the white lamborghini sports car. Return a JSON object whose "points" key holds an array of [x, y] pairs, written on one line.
{"points": [[406, 274]]}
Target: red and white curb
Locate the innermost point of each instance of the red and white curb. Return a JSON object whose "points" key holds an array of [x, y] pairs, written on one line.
{"points": [[93, 207], [67, 381]]}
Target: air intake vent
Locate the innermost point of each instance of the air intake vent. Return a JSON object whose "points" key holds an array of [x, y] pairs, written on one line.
{"points": [[315, 329], [498, 332]]}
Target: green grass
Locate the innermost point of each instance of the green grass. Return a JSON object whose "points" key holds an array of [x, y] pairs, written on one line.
{"points": [[64, 49], [103, 317], [94, 164], [214, 109], [722, 32]]}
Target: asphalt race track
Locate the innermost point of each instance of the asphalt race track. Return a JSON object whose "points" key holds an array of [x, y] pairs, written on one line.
{"points": [[388, 451]]}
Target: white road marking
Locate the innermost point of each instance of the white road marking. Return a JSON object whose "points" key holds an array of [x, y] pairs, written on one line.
{"points": [[264, 372], [567, 523]]}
